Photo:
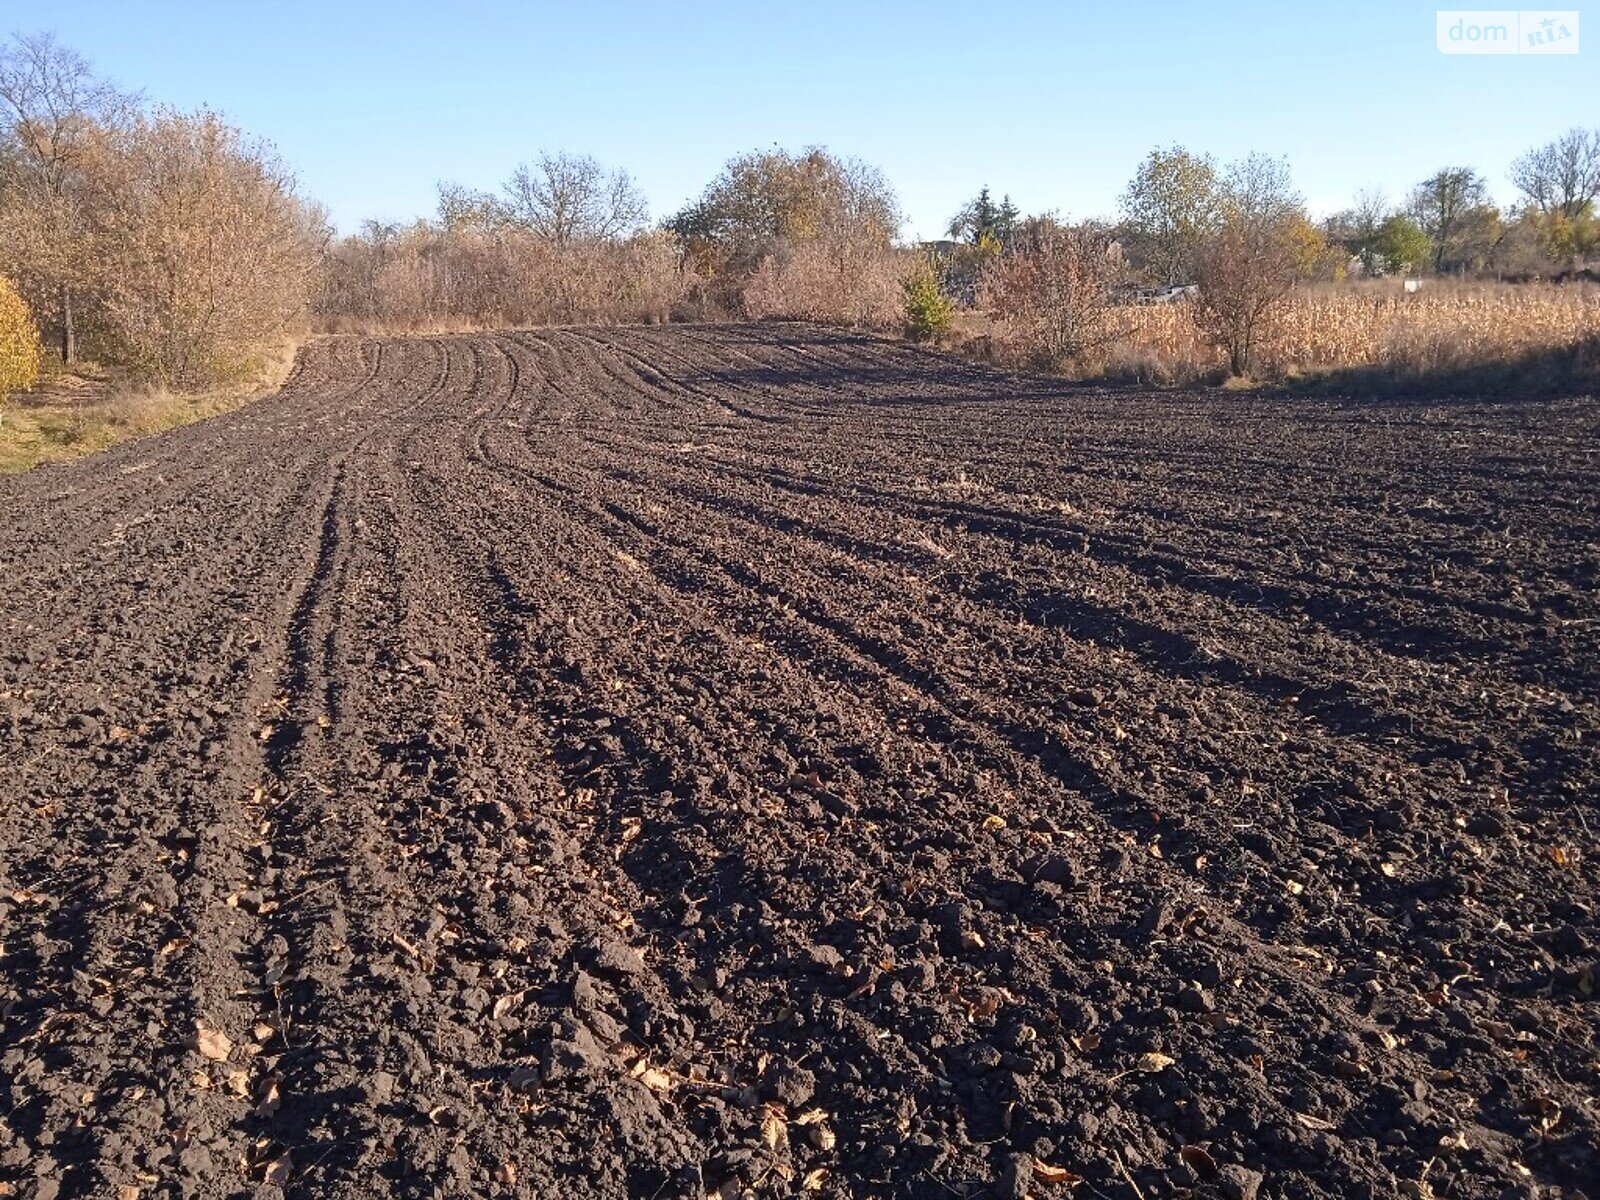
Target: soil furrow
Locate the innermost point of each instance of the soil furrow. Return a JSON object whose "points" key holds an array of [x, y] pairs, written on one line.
{"points": [[702, 761]]}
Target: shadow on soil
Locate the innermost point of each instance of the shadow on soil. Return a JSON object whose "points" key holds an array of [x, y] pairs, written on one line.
{"points": [[1538, 375]]}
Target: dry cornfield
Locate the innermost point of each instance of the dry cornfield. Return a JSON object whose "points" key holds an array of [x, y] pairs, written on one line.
{"points": [[1440, 326]]}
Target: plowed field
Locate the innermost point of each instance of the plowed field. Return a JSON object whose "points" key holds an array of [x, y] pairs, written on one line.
{"points": [[670, 763]]}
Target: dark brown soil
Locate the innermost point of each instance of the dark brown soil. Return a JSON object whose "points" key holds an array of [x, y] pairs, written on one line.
{"points": [[673, 763]]}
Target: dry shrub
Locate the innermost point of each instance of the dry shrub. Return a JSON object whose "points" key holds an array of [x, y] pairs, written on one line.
{"points": [[203, 255], [808, 236], [1050, 293], [857, 286], [1246, 271]]}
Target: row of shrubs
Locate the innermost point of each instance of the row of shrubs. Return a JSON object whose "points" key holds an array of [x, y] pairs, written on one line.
{"points": [[174, 247]]}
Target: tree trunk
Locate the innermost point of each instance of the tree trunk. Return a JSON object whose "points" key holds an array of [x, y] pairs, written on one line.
{"points": [[68, 335]]}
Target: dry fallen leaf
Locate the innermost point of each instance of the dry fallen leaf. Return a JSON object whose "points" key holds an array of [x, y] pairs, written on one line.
{"points": [[268, 1097], [1052, 1174], [773, 1128], [213, 1043], [278, 1171], [1198, 1159], [506, 1172], [985, 1007], [814, 1180], [655, 1080], [1545, 1110], [1154, 1061]]}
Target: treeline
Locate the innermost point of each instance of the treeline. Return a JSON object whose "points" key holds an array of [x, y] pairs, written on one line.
{"points": [[165, 241], [1446, 225], [567, 241], [173, 245]]}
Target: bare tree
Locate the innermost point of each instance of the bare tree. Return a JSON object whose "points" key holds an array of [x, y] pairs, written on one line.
{"points": [[57, 108], [462, 208], [1561, 178], [567, 198], [1358, 229]]}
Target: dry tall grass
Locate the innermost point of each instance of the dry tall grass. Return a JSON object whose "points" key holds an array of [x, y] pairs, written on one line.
{"points": [[426, 278], [78, 412], [1443, 327]]}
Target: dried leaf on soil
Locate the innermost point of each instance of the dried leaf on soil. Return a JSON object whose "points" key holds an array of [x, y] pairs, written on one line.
{"points": [[278, 1171], [213, 1043], [774, 1129], [1049, 1173]]}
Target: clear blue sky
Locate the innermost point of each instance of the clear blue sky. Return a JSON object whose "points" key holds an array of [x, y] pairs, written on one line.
{"points": [[1054, 103]]}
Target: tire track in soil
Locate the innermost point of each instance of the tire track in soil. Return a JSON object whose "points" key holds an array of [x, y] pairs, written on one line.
{"points": [[302, 1097], [231, 957], [619, 729], [139, 881]]}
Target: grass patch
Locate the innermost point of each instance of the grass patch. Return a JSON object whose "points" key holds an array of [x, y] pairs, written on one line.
{"points": [[74, 414]]}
